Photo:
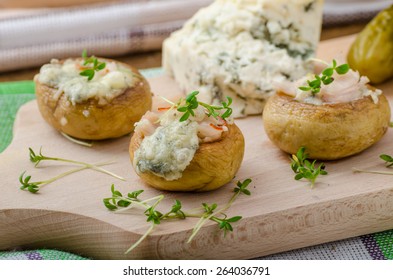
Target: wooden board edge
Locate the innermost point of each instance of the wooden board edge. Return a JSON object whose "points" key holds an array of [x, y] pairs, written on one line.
{"points": [[301, 224], [274, 233], [78, 234]]}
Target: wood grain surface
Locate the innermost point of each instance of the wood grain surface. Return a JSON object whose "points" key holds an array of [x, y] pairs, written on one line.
{"points": [[280, 215]]}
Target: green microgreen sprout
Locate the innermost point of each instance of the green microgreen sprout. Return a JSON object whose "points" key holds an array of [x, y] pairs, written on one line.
{"points": [[37, 158], [211, 213], [191, 103], [388, 160], [119, 203], [314, 86], [94, 65], [34, 187], [303, 168], [225, 224], [388, 163]]}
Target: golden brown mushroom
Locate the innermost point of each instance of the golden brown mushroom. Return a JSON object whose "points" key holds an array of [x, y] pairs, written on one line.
{"points": [[95, 118], [328, 131], [214, 164]]}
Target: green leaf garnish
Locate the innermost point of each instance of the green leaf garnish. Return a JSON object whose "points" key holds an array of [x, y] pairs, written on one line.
{"points": [[89, 73], [225, 224], [209, 208], [314, 86], [119, 203], [95, 67], [153, 215], [242, 187], [388, 159], [342, 69], [191, 103], [305, 169], [34, 187]]}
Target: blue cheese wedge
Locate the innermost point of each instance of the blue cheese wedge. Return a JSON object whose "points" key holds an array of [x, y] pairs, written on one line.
{"points": [[239, 48], [107, 84]]}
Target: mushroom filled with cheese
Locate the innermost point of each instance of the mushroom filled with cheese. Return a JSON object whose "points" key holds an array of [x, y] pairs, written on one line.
{"points": [[189, 146], [91, 98], [333, 115]]}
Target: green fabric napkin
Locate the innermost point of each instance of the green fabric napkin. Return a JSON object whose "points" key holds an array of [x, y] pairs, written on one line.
{"points": [[12, 96]]}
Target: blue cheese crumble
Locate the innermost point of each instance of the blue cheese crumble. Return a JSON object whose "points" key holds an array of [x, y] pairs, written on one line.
{"points": [[168, 145], [107, 84], [169, 150]]}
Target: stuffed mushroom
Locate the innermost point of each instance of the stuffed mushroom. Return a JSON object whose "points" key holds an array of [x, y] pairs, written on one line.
{"points": [[334, 120], [186, 147], [90, 98]]}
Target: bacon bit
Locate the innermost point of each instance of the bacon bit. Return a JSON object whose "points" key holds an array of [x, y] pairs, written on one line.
{"points": [[216, 127], [81, 67], [163, 108]]}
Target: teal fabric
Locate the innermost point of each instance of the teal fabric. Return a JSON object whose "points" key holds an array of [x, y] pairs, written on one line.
{"points": [[17, 87], [9, 104]]}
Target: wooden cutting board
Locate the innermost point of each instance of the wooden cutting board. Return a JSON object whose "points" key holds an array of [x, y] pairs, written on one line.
{"points": [[280, 215]]}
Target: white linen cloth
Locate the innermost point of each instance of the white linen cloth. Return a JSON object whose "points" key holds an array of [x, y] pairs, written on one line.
{"points": [[338, 12], [103, 30]]}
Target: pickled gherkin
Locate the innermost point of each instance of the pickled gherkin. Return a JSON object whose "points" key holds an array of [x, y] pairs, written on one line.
{"points": [[372, 52]]}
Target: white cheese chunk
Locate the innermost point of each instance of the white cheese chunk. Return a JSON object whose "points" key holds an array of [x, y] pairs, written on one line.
{"points": [[237, 48]]}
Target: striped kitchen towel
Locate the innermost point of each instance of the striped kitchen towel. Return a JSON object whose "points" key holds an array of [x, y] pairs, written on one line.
{"points": [[105, 30], [32, 38]]}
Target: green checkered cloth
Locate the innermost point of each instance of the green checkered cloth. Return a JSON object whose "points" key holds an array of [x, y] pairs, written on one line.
{"points": [[372, 246], [39, 255]]}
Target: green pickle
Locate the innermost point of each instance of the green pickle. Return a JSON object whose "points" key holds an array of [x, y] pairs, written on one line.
{"points": [[372, 52]]}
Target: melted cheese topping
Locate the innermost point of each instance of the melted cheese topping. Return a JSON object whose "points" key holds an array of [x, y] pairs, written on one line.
{"points": [[169, 145], [169, 150], [107, 84], [345, 88]]}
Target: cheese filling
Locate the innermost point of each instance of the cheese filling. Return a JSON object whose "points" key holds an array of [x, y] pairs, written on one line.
{"points": [[107, 84], [169, 145], [169, 150], [345, 88]]}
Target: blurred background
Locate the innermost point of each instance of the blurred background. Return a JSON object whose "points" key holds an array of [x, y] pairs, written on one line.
{"points": [[34, 31]]}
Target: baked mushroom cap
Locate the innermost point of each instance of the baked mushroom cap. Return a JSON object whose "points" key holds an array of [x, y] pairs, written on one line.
{"points": [[328, 131], [91, 120], [214, 164]]}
